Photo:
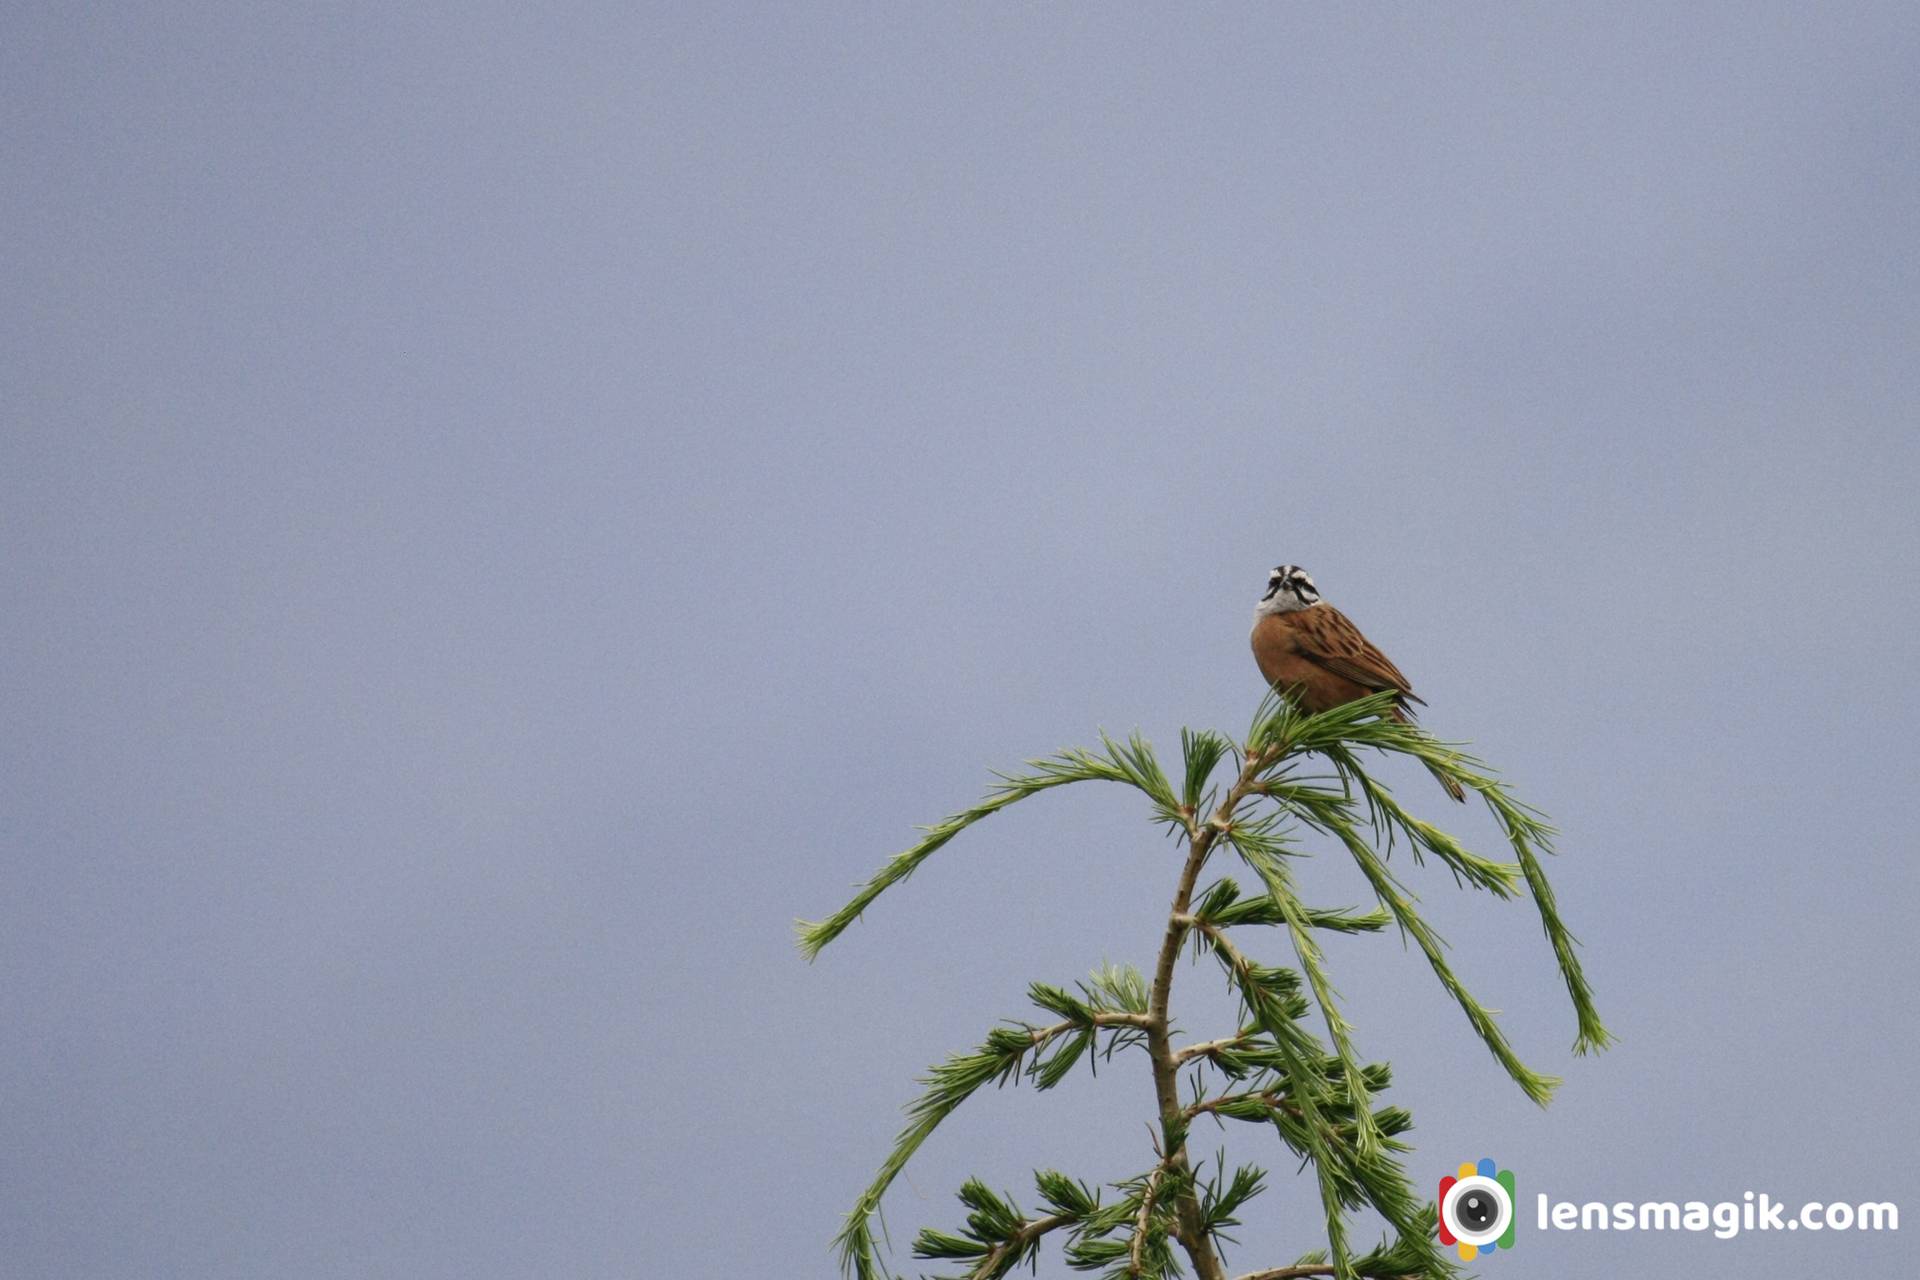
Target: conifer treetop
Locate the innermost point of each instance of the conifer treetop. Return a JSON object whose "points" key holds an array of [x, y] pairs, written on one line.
{"points": [[1291, 1065]]}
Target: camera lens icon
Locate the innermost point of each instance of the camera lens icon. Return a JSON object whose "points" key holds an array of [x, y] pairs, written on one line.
{"points": [[1476, 1209]]}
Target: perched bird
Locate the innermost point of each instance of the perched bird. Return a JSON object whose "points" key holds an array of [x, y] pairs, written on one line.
{"points": [[1312, 653]]}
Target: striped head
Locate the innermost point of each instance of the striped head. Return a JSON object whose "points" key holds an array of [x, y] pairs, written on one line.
{"points": [[1288, 589]]}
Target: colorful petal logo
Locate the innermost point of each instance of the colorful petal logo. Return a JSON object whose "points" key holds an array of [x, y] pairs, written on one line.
{"points": [[1476, 1209]]}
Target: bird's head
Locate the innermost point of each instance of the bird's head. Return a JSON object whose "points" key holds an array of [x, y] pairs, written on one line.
{"points": [[1288, 588]]}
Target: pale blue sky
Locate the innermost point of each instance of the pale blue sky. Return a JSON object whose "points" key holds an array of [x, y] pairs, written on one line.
{"points": [[507, 506]]}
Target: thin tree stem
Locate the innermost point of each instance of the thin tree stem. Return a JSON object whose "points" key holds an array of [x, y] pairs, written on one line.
{"points": [[1272, 1099], [1024, 1237], [1136, 1252], [1207, 1048], [1201, 837]]}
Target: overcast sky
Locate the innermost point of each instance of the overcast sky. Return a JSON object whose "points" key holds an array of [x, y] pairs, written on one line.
{"points": [[506, 506]]}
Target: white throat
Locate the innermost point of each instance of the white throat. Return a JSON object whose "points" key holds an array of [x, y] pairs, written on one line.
{"points": [[1282, 601]]}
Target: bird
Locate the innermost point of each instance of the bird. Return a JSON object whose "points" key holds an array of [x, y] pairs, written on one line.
{"points": [[1311, 652]]}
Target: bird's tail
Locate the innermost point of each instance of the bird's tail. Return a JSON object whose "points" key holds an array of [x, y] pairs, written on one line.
{"points": [[1453, 788]]}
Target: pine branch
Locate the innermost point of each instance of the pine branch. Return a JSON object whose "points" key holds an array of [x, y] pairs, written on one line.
{"points": [[1260, 1107], [1223, 905], [1262, 856], [1008, 1255], [1007, 1053], [1208, 1048], [1308, 1091], [948, 1085], [1142, 1224], [996, 1259], [1526, 831], [1132, 763], [1502, 879], [997, 1236], [1399, 900]]}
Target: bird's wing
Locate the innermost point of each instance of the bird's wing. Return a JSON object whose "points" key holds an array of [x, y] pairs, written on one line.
{"points": [[1327, 638]]}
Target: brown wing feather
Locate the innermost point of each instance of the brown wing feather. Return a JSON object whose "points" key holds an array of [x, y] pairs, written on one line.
{"points": [[1295, 648], [1328, 638]]}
